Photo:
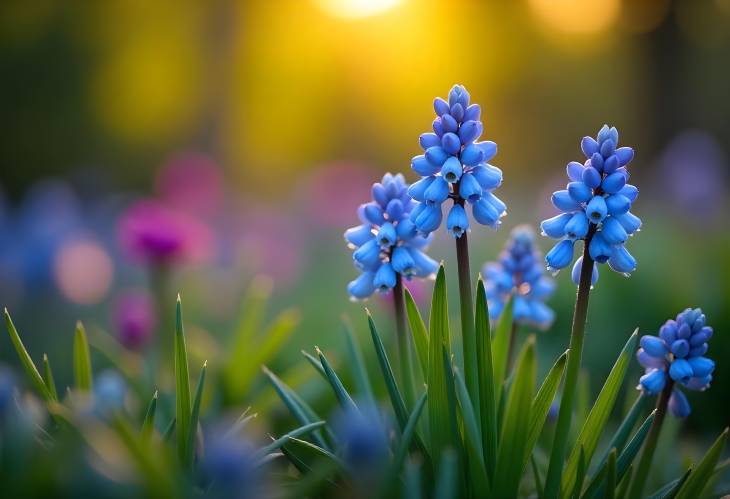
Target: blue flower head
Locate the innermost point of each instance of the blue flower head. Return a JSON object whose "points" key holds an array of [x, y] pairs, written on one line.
{"points": [[455, 166], [229, 466], [595, 207], [362, 436], [387, 242], [677, 355], [110, 391], [519, 271]]}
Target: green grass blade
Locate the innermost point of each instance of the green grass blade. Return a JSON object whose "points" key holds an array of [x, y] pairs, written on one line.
{"points": [[419, 331], [623, 487], [182, 386], [195, 414], [357, 363], [471, 428], [611, 475], [315, 363], [343, 397], [148, 424], [318, 450], [513, 441], [500, 344], [487, 400], [618, 441], [284, 439], [536, 475], [48, 377], [597, 417], [30, 369], [412, 484], [82, 359], [408, 433], [697, 481], [167, 434], [581, 474], [543, 400], [396, 400], [438, 405], [446, 485], [454, 423], [670, 490]]}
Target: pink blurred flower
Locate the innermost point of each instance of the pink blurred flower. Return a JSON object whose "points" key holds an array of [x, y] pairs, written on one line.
{"points": [[191, 182], [151, 232], [134, 318]]}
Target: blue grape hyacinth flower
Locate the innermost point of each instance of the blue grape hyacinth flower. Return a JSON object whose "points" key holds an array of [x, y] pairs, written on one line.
{"points": [[519, 271], [386, 242], [595, 207], [677, 356], [455, 166]]}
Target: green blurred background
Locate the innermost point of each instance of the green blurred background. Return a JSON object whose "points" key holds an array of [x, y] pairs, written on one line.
{"points": [[297, 106]]}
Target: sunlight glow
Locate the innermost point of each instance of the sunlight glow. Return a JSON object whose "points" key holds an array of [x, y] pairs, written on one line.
{"points": [[356, 8], [577, 16]]}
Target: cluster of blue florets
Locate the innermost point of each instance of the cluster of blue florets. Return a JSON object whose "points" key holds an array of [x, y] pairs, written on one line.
{"points": [[595, 207], [455, 166], [519, 272], [677, 355], [387, 242]]}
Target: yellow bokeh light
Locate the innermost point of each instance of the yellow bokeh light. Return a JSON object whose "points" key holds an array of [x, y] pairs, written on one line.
{"points": [[577, 16], [356, 8]]}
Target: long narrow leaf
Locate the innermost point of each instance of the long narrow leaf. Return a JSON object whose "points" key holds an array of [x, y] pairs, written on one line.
{"points": [[596, 420], [48, 377], [360, 373], [408, 433], [618, 441], [500, 344], [182, 385], [512, 443], [277, 443], [317, 450], [471, 428], [419, 331], [315, 363], [195, 414], [412, 487], [697, 481], [536, 475], [670, 490], [487, 400], [438, 405], [82, 359], [446, 481], [30, 369], [341, 393], [611, 475], [581, 474], [148, 423]]}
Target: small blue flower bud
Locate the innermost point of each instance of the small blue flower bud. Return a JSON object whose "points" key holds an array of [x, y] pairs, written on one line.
{"points": [[469, 188], [701, 336], [649, 361], [386, 236], [680, 348], [580, 192], [427, 140], [610, 165], [684, 331], [471, 155], [653, 382], [701, 366], [575, 171], [379, 193], [489, 149], [457, 111], [485, 213], [596, 210], [110, 391], [603, 134], [589, 146], [469, 131], [698, 351], [680, 370], [591, 177], [374, 213], [621, 260], [599, 249], [441, 106], [560, 256], [425, 264], [668, 332], [473, 112], [577, 226], [438, 127], [496, 202], [458, 94], [699, 384], [653, 346], [429, 219], [624, 155], [457, 222], [613, 183], [629, 221], [678, 404], [423, 167], [384, 278], [357, 236], [617, 204], [395, 209], [437, 192], [613, 134], [367, 255], [451, 143], [452, 170], [418, 189], [449, 123], [613, 232], [563, 201], [699, 323], [597, 162], [488, 176], [555, 227], [607, 149], [575, 273], [362, 287], [436, 155], [403, 262]]}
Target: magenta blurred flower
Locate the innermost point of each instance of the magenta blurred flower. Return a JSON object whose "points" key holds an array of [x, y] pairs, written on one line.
{"points": [[191, 182], [151, 232], [134, 318]]}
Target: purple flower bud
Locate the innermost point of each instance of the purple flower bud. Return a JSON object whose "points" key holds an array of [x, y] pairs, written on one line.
{"points": [[423, 167], [580, 192], [451, 143], [449, 123], [599, 249], [680, 370], [489, 149], [603, 134], [367, 256], [607, 148], [485, 213], [555, 227], [575, 273], [678, 404], [621, 260], [418, 189], [438, 127], [563, 201], [374, 213], [357, 236], [386, 236], [436, 155], [591, 177], [589, 146], [630, 222], [473, 112], [429, 219], [437, 192], [403, 262], [384, 278], [560, 255], [701, 366], [650, 361], [471, 155], [597, 162], [577, 226], [617, 204], [427, 140], [469, 131], [613, 232], [624, 155], [610, 165], [457, 111], [488, 176], [395, 209], [699, 384], [613, 183], [575, 171], [653, 382], [668, 332], [680, 348], [135, 319], [653, 346], [440, 106]]}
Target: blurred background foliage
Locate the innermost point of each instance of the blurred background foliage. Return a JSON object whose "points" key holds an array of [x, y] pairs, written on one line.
{"points": [[267, 121]]}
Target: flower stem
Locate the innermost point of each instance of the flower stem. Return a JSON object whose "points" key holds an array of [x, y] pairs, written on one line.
{"points": [[468, 336], [404, 350], [642, 470], [562, 429]]}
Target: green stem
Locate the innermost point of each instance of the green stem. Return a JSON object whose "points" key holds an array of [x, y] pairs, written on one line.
{"points": [[404, 350], [468, 336], [162, 356], [562, 429], [644, 466], [512, 344]]}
